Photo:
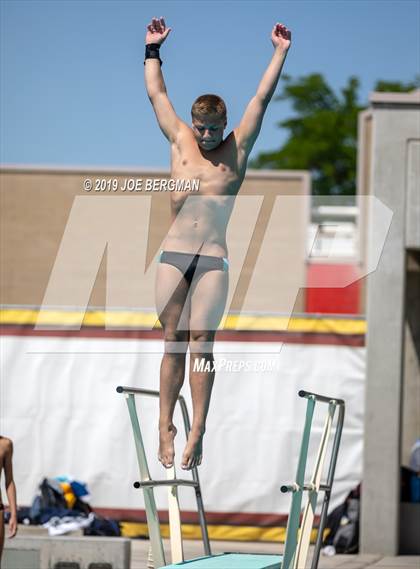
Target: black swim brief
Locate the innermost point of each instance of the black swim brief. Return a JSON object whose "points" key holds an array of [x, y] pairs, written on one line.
{"points": [[191, 264]]}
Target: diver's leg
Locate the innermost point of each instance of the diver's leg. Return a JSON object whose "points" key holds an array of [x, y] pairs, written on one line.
{"points": [[208, 299], [172, 303]]}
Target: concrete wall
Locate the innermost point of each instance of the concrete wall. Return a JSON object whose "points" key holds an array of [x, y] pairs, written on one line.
{"points": [[410, 422], [41, 552], [363, 188], [395, 126]]}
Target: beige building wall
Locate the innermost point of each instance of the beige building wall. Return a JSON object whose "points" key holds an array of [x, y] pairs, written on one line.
{"points": [[37, 201]]}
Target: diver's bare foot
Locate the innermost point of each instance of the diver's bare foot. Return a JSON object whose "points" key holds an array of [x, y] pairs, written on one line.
{"points": [[193, 452], [166, 454]]}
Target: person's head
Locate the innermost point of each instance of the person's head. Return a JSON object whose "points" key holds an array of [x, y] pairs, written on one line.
{"points": [[209, 120]]}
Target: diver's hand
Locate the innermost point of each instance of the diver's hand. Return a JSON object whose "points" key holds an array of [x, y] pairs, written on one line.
{"points": [[281, 37], [157, 32]]}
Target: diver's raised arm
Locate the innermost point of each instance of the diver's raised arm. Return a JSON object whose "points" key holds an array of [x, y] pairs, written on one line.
{"points": [[247, 131], [169, 122]]}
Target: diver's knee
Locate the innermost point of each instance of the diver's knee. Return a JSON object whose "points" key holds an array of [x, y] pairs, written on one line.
{"points": [[201, 341], [176, 341]]}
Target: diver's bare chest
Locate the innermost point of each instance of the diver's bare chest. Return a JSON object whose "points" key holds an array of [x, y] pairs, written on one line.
{"points": [[219, 175], [216, 175]]}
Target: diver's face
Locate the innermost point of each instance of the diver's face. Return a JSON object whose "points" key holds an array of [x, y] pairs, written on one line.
{"points": [[208, 131]]}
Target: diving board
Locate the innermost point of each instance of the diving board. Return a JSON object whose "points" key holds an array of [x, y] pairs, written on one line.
{"points": [[297, 538], [232, 561]]}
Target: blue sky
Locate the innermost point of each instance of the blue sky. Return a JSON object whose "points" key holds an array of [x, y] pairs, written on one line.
{"points": [[72, 89]]}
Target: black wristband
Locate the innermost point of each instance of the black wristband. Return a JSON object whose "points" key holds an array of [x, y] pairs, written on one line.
{"points": [[152, 52]]}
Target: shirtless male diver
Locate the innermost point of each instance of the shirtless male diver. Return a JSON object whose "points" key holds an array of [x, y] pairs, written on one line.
{"points": [[6, 452], [192, 274]]}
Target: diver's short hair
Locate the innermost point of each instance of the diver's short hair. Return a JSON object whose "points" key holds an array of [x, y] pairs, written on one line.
{"points": [[209, 105]]}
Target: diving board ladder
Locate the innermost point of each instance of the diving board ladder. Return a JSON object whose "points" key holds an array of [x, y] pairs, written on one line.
{"points": [[156, 553]]}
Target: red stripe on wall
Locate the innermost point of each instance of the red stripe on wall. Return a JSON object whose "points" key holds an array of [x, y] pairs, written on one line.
{"points": [[215, 518], [355, 340]]}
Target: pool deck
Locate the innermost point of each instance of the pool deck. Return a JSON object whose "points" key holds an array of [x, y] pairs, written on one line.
{"points": [[140, 548]]}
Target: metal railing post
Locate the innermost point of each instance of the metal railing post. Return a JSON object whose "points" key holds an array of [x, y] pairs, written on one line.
{"points": [[147, 485]]}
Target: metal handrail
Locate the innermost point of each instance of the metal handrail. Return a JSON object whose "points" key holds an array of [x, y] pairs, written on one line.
{"points": [[297, 488], [194, 483], [173, 482], [320, 398]]}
